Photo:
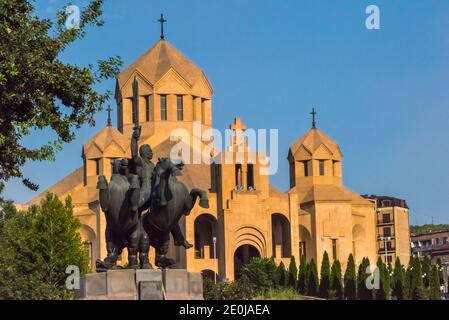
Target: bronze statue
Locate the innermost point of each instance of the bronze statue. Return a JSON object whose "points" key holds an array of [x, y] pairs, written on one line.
{"points": [[170, 199], [119, 201]]}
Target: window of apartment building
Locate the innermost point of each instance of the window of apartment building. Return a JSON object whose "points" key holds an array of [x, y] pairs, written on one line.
{"points": [[387, 232], [389, 259], [389, 246], [163, 108], [334, 249], [321, 162], [302, 249], [386, 218], [386, 203], [180, 108]]}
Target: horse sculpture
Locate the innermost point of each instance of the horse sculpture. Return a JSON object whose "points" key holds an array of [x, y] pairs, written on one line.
{"points": [[170, 200], [119, 200]]}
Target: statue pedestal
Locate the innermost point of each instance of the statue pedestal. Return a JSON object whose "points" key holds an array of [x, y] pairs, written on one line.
{"points": [[168, 284]]}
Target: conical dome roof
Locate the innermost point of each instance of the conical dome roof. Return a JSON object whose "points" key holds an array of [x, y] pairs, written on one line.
{"points": [[312, 140], [157, 61]]}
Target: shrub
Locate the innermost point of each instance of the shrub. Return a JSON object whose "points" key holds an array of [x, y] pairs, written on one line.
{"points": [[241, 289], [260, 272]]}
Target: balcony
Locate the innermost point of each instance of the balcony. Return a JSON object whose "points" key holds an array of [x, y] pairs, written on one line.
{"points": [[385, 222]]}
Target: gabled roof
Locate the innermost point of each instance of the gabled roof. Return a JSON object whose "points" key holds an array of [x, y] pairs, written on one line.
{"points": [[104, 138], [312, 140], [157, 61]]}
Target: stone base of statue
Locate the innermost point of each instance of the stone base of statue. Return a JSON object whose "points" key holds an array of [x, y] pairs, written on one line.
{"points": [[167, 284]]}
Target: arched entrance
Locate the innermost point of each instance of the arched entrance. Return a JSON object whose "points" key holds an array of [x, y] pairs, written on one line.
{"points": [[206, 228], [242, 256], [281, 236]]}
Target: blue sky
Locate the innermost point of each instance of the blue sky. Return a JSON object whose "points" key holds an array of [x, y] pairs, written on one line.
{"points": [[383, 95]]}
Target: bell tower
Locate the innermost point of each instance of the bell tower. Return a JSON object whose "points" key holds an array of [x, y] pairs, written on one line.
{"points": [[172, 93], [315, 159]]}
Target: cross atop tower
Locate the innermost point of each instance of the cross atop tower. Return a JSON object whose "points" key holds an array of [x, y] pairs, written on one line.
{"points": [[313, 113], [109, 116], [162, 21], [237, 125]]}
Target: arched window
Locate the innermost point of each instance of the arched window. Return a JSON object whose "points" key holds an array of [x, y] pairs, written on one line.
{"points": [[206, 229], [281, 236]]}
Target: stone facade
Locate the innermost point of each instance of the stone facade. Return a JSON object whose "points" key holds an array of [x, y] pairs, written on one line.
{"points": [[247, 216]]}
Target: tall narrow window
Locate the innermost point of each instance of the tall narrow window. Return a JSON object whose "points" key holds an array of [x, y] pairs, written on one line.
{"points": [[321, 167], [163, 108], [97, 167], [306, 168], [250, 176], [180, 107], [147, 108], [334, 249], [387, 232]]}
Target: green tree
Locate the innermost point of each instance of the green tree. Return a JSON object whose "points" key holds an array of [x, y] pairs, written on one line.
{"points": [[425, 266], [336, 285], [440, 271], [37, 246], [408, 279], [39, 91], [416, 290], [260, 273], [383, 293], [302, 276], [312, 279], [325, 277], [350, 287], [292, 273], [363, 292], [271, 270], [434, 286], [282, 275], [398, 291]]}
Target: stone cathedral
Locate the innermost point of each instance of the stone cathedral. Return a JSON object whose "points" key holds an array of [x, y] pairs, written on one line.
{"points": [[248, 217]]}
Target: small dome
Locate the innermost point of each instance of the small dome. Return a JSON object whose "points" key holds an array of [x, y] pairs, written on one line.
{"points": [[312, 141], [104, 138]]}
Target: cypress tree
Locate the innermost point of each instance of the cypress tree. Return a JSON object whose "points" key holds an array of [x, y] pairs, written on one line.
{"points": [[384, 286], [350, 287], [434, 286], [302, 277], [416, 281], [336, 285], [408, 279], [292, 273], [363, 293], [425, 265], [398, 291], [440, 271], [272, 270], [312, 279], [282, 275], [325, 277]]}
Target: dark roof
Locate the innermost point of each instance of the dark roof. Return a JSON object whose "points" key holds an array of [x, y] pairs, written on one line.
{"points": [[391, 201]]}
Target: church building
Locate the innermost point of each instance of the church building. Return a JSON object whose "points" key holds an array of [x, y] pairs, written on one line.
{"points": [[247, 217]]}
